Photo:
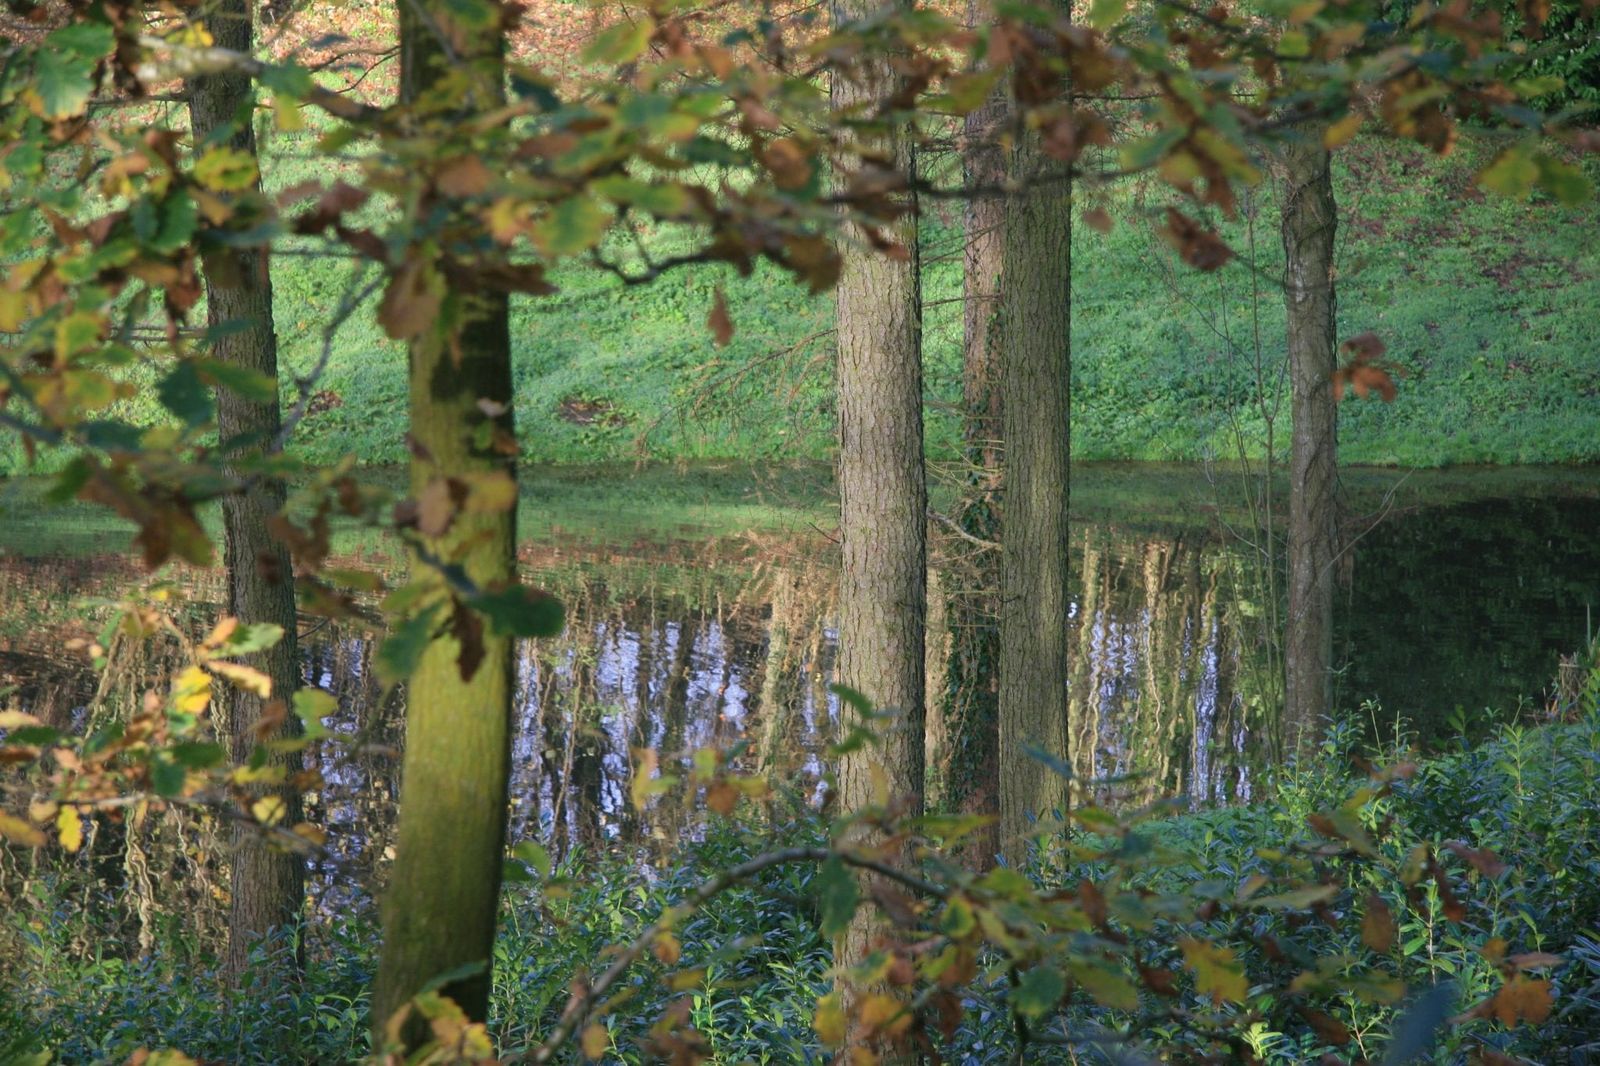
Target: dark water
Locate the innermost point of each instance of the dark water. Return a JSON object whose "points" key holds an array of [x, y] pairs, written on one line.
{"points": [[1444, 603]]}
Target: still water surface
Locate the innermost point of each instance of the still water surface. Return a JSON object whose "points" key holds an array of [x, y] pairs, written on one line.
{"points": [[1456, 593]]}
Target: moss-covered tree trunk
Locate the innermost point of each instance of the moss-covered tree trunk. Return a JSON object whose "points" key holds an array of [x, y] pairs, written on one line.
{"points": [[882, 493], [1036, 357], [268, 882], [1308, 232], [443, 898]]}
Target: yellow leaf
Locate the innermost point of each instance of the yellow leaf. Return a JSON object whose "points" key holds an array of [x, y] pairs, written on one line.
{"points": [[191, 690], [17, 831], [666, 949], [1340, 132], [243, 677], [595, 1040], [69, 827], [829, 1020], [269, 810], [16, 719], [1217, 972], [884, 1014], [313, 834]]}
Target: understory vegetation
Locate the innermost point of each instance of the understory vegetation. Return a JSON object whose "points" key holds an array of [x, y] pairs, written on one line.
{"points": [[1519, 905]]}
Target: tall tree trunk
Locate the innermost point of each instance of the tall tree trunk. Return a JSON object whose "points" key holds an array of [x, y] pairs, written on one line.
{"points": [[882, 494], [443, 898], [1308, 232], [968, 703], [268, 887], [1035, 347]]}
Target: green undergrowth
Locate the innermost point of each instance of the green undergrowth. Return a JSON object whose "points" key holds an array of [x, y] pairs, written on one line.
{"points": [[1483, 302], [1531, 796]]}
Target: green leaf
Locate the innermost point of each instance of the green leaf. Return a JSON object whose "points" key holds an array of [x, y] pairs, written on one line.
{"points": [[534, 855], [1513, 172], [576, 224], [522, 612], [838, 896], [196, 754], [180, 217], [257, 636], [403, 647], [63, 82], [167, 777], [957, 920], [86, 40], [1296, 899], [242, 381], [77, 331], [1104, 14], [1038, 992], [621, 43], [185, 395], [311, 706], [226, 169], [1567, 183]]}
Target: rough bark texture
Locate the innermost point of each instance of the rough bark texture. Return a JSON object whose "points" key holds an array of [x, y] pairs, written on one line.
{"points": [[268, 883], [967, 703], [1308, 233], [440, 910], [1035, 342], [882, 502]]}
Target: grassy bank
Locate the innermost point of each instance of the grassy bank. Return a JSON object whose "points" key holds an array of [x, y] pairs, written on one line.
{"points": [[1484, 302]]}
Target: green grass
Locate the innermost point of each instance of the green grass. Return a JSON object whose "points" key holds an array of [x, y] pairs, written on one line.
{"points": [[1484, 303]]}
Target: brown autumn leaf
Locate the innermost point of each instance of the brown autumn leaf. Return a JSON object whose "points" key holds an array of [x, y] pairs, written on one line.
{"points": [[1201, 248], [1536, 960], [412, 300], [788, 162], [463, 176], [1521, 999], [719, 321], [1482, 860], [595, 1041], [1326, 1026], [467, 627], [1098, 219], [273, 715], [721, 797], [1377, 925], [666, 948]]}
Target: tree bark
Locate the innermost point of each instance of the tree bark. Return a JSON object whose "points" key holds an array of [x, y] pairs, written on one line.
{"points": [[268, 882], [443, 899], [882, 495], [1035, 345], [1309, 300]]}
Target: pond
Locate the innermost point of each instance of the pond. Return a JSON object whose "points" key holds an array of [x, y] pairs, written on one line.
{"points": [[701, 605]]}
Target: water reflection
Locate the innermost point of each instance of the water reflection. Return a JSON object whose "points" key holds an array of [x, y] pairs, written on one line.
{"points": [[1171, 691]]}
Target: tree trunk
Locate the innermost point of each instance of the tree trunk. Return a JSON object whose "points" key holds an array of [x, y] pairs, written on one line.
{"points": [[882, 497], [268, 885], [968, 702], [1308, 232], [1035, 346], [443, 898]]}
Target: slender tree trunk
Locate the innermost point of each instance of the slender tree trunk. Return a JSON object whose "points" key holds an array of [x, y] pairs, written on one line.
{"points": [[968, 703], [882, 498], [443, 899], [1308, 232], [268, 887], [1035, 344]]}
